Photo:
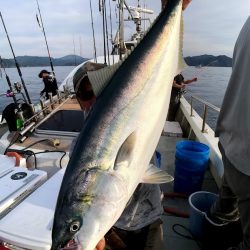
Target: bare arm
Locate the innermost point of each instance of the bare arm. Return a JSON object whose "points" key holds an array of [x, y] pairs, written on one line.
{"points": [[178, 86], [101, 245], [191, 80]]}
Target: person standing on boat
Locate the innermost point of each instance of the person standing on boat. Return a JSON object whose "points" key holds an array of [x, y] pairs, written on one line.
{"points": [[50, 84], [84, 91], [233, 130], [178, 87], [179, 82]]}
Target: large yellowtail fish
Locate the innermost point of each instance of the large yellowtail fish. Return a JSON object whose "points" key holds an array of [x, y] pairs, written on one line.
{"points": [[113, 150]]}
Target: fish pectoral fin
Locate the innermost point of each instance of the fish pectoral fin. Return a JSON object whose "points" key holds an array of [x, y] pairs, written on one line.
{"points": [[154, 175], [125, 152]]}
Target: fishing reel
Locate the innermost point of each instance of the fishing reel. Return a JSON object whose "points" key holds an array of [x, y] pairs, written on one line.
{"points": [[18, 87], [183, 91], [51, 77], [180, 94]]}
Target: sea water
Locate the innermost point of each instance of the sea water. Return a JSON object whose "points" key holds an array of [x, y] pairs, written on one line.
{"points": [[34, 84], [211, 85]]}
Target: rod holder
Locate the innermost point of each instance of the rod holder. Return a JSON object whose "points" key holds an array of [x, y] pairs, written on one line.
{"points": [[33, 110], [43, 107], [51, 101], [22, 139], [30, 127], [65, 91], [59, 96]]}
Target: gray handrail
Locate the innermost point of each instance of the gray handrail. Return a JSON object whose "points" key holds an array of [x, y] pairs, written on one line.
{"points": [[206, 105]]}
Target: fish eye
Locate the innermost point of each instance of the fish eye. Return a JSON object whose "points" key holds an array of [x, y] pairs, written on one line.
{"points": [[74, 227]]}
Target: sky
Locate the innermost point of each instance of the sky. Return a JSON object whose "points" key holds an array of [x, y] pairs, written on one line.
{"points": [[211, 26]]}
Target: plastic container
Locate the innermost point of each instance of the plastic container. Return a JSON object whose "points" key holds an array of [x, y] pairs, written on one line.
{"points": [[29, 224], [200, 202], [191, 161], [157, 156], [16, 184]]}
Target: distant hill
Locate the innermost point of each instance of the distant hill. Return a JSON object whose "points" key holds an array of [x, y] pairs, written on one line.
{"points": [[72, 60], [209, 60], [34, 61]]}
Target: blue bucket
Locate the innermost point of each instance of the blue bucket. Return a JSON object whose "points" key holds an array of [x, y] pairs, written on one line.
{"points": [[191, 161], [200, 202], [158, 159]]}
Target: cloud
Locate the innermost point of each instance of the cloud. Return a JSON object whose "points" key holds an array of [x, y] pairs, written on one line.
{"points": [[211, 26]]}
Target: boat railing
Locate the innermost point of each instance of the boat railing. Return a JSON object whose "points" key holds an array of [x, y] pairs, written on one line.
{"points": [[45, 108], [205, 110]]}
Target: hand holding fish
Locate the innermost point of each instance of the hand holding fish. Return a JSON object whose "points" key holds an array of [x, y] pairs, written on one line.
{"points": [[184, 4], [101, 245]]}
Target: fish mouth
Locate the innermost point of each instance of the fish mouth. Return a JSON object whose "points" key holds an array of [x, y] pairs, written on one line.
{"points": [[70, 245]]}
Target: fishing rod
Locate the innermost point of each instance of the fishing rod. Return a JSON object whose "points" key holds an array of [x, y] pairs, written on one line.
{"points": [[8, 81], [102, 10], [17, 65], [44, 34], [204, 67], [93, 30]]}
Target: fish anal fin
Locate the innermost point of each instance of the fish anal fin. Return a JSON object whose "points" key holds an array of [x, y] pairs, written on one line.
{"points": [[154, 175], [125, 152]]}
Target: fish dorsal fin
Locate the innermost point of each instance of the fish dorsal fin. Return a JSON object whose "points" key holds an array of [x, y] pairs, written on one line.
{"points": [[125, 152], [181, 62], [155, 175], [100, 78]]}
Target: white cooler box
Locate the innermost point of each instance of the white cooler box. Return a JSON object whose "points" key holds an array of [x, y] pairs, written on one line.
{"points": [[29, 224], [6, 164], [172, 129], [15, 184]]}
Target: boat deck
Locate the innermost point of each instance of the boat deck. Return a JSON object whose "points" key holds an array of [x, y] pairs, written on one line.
{"points": [[172, 240], [166, 147], [65, 142]]}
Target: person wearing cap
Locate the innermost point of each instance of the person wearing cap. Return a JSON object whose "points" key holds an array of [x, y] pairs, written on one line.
{"points": [[85, 94], [178, 88], [50, 84]]}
